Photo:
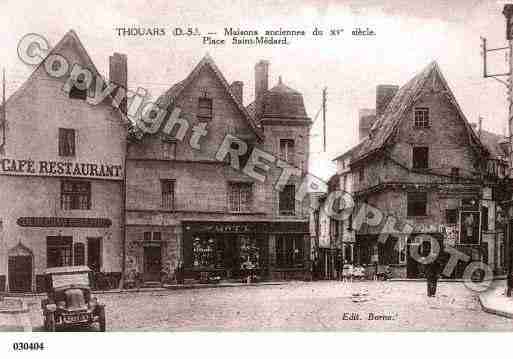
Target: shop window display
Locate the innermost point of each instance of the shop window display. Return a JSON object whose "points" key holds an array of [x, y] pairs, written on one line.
{"points": [[204, 254], [249, 253]]}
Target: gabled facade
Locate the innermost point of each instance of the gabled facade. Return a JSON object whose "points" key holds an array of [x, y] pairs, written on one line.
{"points": [[190, 211], [61, 175], [423, 164]]}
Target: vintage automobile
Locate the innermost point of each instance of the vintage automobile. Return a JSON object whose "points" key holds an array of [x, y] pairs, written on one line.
{"points": [[69, 302]]}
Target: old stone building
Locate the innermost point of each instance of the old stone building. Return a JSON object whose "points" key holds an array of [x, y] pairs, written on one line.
{"points": [[61, 173], [190, 206], [421, 169]]}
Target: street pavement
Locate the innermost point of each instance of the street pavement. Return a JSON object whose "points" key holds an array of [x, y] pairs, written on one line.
{"points": [[299, 306]]}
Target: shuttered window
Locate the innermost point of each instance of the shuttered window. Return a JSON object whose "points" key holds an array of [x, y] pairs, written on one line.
{"points": [[168, 193], [204, 108], [287, 150], [66, 142]]}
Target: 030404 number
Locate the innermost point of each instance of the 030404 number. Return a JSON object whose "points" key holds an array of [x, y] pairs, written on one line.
{"points": [[25, 346]]}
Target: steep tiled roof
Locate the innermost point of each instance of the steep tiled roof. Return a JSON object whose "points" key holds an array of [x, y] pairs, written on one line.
{"points": [[386, 124], [284, 102], [170, 95], [70, 38], [351, 151], [492, 143]]}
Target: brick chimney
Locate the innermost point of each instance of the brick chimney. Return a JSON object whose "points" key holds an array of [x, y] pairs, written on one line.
{"points": [[118, 74], [261, 84], [366, 118], [384, 94], [237, 87]]}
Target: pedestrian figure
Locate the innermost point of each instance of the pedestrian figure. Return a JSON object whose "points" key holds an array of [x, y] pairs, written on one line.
{"points": [[432, 274]]}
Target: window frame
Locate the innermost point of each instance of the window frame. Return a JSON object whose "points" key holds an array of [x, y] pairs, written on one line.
{"points": [[291, 209], [167, 203], [79, 252], [285, 251], [451, 215], [63, 247], [64, 147], [411, 210], [421, 117], [485, 223], [287, 150], [235, 193], [75, 201], [415, 162], [209, 108]]}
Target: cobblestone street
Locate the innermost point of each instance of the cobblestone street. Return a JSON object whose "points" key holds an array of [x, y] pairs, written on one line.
{"points": [[300, 306]]}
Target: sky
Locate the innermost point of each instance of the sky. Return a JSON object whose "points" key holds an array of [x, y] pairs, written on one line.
{"points": [[409, 35]]}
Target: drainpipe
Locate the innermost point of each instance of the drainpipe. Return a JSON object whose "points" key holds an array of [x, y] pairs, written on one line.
{"points": [[123, 217]]}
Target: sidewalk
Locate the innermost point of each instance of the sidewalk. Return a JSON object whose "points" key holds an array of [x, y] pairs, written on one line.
{"points": [[14, 316], [494, 301]]}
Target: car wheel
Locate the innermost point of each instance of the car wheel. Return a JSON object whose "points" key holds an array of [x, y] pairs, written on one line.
{"points": [[50, 322], [101, 319]]}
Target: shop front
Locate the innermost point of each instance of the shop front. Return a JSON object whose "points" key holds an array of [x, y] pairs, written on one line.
{"points": [[235, 250], [230, 250], [43, 242]]}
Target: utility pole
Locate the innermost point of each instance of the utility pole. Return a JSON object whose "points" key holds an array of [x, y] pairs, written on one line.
{"points": [[324, 94], [508, 13], [4, 112]]}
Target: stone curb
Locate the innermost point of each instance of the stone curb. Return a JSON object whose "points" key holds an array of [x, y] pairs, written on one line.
{"points": [[487, 308]]}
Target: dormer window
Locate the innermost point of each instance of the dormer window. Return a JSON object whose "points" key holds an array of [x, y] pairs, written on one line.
{"points": [[77, 93], [204, 108], [421, 117], [287, 150]]}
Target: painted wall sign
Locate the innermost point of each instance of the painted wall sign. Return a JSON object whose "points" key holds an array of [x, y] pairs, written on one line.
{"points": [[12, 166], [64, 222], [427, 228]]}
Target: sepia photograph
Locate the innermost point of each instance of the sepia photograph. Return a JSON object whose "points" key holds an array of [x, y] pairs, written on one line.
{"points": [[269, 166]]}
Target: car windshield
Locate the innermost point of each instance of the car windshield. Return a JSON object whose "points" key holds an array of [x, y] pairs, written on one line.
{"points": [[62, 280]]}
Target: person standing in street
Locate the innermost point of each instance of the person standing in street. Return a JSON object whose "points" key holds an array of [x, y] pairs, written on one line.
{"points": [[432, 275]]}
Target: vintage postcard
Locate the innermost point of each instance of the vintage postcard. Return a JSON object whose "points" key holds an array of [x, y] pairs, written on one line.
{"points": [[266, 166]]}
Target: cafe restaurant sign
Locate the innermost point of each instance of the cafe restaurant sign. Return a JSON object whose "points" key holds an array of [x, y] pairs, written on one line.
{"points": [[28, 167]]}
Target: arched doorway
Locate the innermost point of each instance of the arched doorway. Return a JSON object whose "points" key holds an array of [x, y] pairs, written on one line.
{"points": [[20, 269]]}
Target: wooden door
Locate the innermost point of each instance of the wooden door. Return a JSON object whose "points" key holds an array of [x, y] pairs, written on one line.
{"points": [[20, 273], [152, 263]]}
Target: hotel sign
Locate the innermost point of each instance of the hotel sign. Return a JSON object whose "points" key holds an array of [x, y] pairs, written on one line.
{"points": [[254, 227], [29, 167]]}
